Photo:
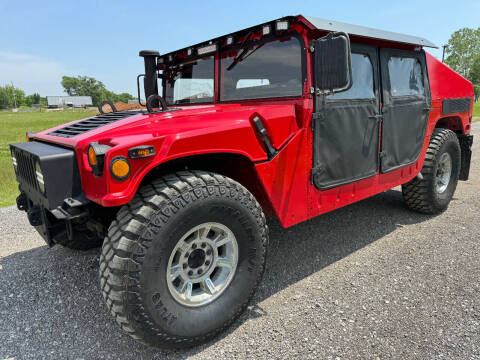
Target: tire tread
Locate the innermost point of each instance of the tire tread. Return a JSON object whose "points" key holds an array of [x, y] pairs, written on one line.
{"points": [[416, 191], [128, 240]]}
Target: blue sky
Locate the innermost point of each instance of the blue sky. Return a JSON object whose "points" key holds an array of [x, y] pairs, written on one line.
{"points": [[42, 40]]}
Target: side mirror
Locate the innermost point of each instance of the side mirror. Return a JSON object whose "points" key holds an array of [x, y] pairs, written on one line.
{"points": [[332, 63]]}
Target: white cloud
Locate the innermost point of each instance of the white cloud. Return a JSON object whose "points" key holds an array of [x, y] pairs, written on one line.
{"points": [[31, 73]]}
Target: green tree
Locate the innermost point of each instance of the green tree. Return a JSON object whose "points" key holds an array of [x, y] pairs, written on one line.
{"points": [[462, 49], [124, 97], [474, 74], [32, 99], [84, 86], [88, 86], [11, 96]]}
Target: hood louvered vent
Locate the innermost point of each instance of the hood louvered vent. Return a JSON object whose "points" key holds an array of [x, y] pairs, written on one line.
{"points": [[92, 123]]}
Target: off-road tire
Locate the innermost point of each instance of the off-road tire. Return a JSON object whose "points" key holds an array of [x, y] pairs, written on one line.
{"points": [[420, 194], [136, 250], [83, 239]]}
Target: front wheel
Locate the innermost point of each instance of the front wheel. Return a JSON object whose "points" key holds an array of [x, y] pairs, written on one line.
{"points": [[183, 259], [431, 192]]}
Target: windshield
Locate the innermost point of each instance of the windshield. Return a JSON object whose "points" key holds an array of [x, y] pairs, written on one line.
{"points": [[266, 70], [191, 82]]}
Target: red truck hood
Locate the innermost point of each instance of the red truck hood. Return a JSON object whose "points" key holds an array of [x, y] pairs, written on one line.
{"points": [[183, 120], [166, 123]]}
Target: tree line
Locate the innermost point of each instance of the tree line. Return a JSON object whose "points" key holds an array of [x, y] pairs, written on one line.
{"points": [[11, 96], [89, 86]]}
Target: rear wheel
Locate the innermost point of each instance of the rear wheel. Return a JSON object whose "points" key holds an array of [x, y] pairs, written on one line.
{"points": [[431, 192], [183, 259]]}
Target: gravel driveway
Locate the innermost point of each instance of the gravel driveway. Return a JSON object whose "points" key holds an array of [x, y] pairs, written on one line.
{"points": [[372, 280]]}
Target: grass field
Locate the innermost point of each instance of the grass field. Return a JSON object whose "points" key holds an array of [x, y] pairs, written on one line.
{"points": [[13, 127], [476, 111]]}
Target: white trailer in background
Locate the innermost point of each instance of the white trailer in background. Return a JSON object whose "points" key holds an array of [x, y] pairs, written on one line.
{"points": [[62, 102]]}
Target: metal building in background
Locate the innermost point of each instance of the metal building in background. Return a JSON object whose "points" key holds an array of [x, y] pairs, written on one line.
{"points": [[57, 102]]}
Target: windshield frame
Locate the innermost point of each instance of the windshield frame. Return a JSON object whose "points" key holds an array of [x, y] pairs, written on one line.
{"points": [[211, 100], [255, 41]]}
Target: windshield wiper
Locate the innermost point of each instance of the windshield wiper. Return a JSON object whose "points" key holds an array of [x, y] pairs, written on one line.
{"points": [[243, 50]]}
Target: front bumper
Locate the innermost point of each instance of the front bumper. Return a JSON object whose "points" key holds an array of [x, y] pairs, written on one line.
{"points": [[53, 206]]}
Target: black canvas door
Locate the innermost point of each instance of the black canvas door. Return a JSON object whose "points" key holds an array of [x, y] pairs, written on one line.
{"points": [[406, 103], [346, 126]]}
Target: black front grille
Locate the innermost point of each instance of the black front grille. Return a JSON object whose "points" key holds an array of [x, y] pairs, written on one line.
{"points": [[25, 167], [92, 123], [451, 106]]}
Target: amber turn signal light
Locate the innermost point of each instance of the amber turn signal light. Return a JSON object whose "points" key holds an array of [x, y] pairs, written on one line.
{"points": [[140, 152], [120, 168], [96, 156], [29, 136], [92, 157]]}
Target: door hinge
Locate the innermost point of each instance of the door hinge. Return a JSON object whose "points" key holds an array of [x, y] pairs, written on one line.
{"points": [[316, 171], [316, 116], [378, 117]]}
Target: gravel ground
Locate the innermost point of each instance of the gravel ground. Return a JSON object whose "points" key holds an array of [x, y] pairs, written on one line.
{"points": [[372, 280]]}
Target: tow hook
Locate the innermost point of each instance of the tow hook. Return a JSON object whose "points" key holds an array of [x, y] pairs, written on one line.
{"points": [[34, 215], [22, 202]]}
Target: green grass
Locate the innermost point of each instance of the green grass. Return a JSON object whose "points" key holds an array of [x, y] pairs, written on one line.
{"points": [[476, 111], [13, 127]]}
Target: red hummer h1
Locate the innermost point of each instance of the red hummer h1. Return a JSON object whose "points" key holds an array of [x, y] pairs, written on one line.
{"points": [[292, 118]]}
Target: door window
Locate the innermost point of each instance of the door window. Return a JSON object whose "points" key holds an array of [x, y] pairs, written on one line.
{"points": [[362, 87], [406, 77]]}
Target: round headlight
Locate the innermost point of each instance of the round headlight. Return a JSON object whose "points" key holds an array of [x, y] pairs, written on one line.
{"points": [[39, 176], [120, 168]]}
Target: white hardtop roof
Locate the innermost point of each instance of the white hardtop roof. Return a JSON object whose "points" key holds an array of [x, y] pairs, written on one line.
{"points": [[330, 25], [367, 32]]}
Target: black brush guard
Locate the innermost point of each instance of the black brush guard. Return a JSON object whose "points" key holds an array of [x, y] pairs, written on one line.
{"points": [[62, 202]]}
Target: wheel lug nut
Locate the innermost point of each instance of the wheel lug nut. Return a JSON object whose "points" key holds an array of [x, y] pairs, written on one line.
{"points": [[207, 262], [203, 245], [199, 271], [209, 252], [185, 266], [190, 273], [187, 255], [194, 246]]}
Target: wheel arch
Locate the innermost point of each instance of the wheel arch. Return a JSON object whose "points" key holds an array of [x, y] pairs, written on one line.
{"points": [[233, 165], [453, 123], [459, 124]]}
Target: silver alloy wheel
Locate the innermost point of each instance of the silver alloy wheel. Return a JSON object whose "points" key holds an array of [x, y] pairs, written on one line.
{"points": [[202, 264], [444, 172]]}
